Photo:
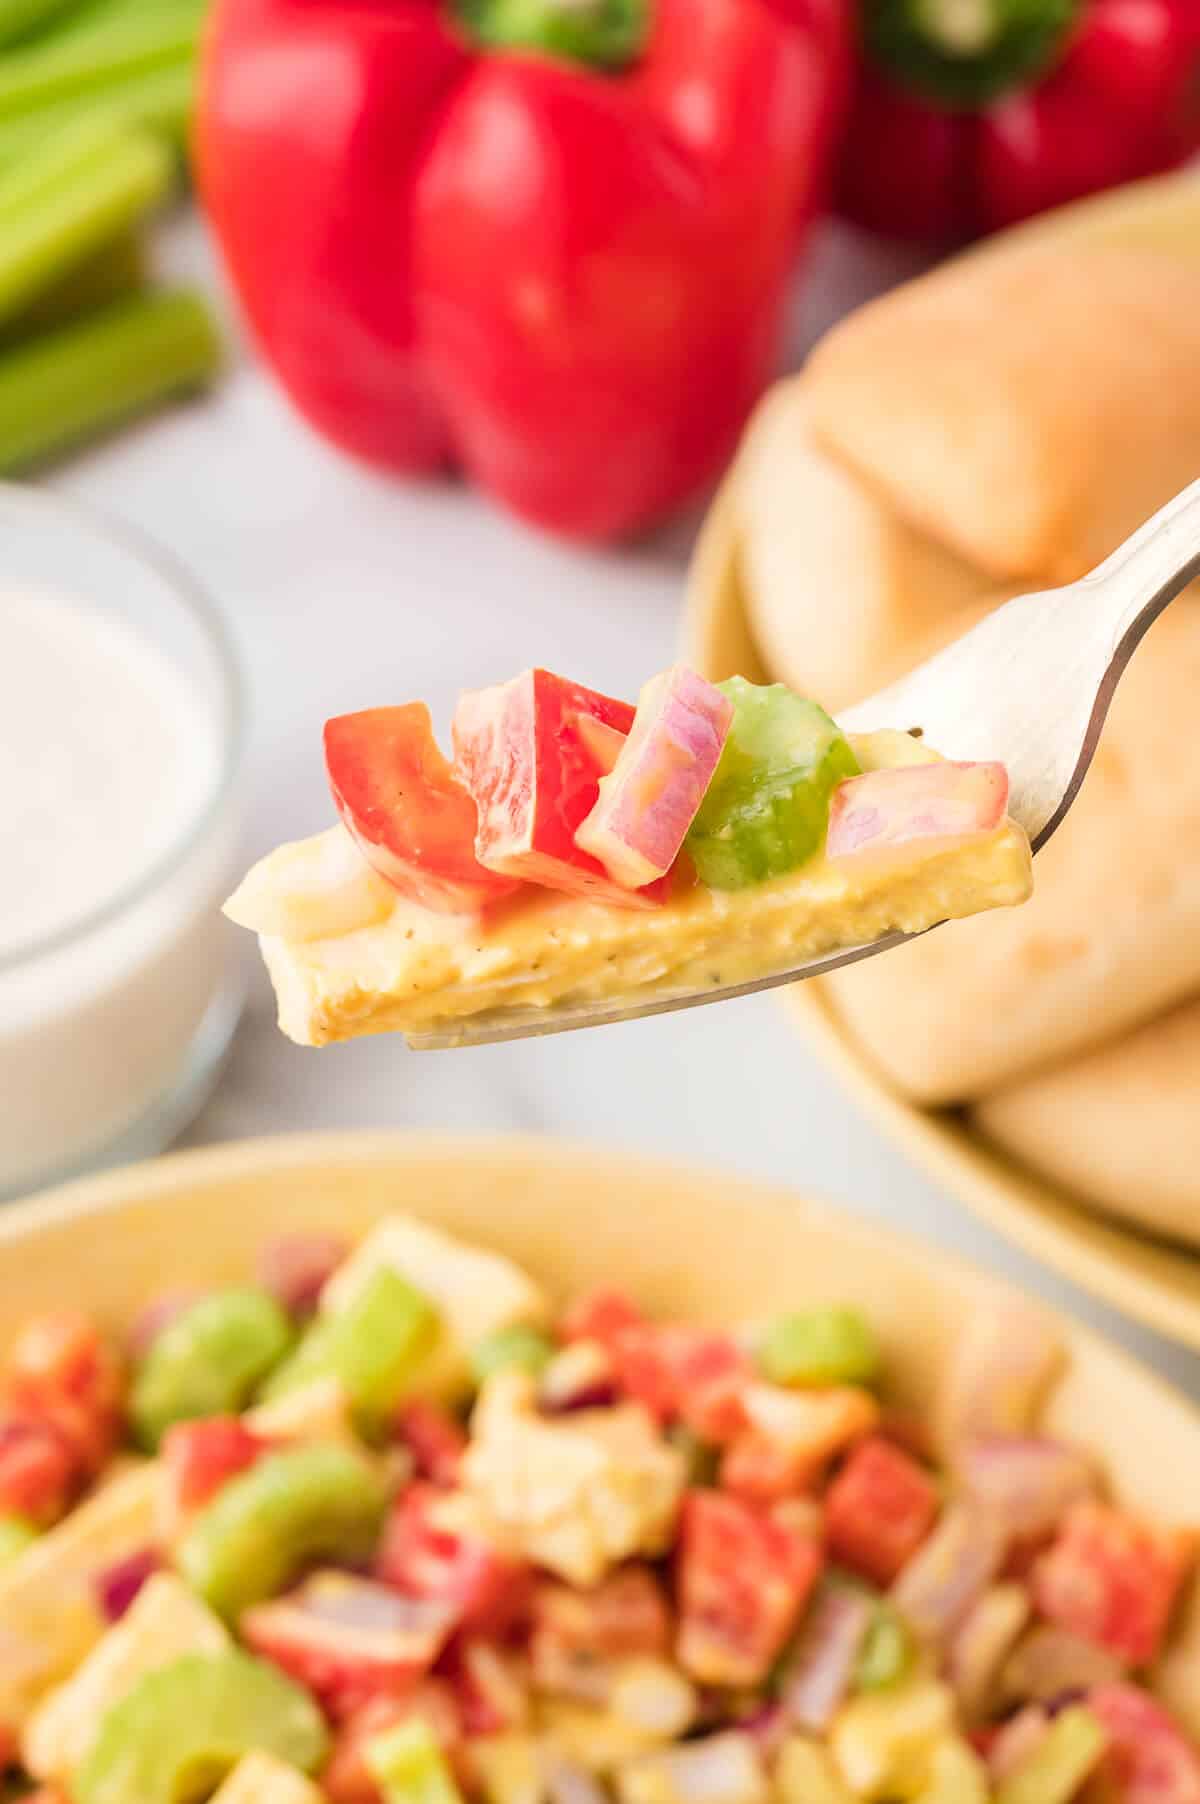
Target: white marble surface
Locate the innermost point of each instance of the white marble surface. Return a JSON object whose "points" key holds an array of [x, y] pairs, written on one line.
{"points": [[345, 590]]}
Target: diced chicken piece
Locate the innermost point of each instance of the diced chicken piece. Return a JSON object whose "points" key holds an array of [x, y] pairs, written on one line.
{"points": [[596, 1740], [476, 1292], [884, 1742], [578, 1494], [261, 1779], [165, 1621], [310, 890], [49, 1616], [719, 1769]]}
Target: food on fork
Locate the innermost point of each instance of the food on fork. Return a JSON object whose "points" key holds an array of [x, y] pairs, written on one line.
{"points": [[581, 850], [583, 1554]]}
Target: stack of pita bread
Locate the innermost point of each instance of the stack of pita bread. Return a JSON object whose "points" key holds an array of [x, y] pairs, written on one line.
{"points": [[1000, 425]]}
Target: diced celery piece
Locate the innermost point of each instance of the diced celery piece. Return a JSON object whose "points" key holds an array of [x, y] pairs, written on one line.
{"points": [[408, 1766], [518, 1349], [819, 1346], [182, 1728], [372, 1346], [1061, 1762], [766, 811], [208, 1361], [887, 1652], [296, 1506], [16, 1533]]}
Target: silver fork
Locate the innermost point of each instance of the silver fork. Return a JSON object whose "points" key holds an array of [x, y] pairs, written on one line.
{"points": [[1030, 685]]}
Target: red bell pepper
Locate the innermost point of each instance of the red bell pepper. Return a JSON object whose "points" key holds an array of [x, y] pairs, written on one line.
{"points": [[545, 241], [972, 114]]}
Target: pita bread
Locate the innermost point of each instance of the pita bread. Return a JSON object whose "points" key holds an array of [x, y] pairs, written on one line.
{"points": [[1026, 412], [1111, 936], [1120, 1126]]}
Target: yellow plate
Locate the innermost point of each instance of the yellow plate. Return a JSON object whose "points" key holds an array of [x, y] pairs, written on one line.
{"points": [[691, 1243], [1153, 1281]]}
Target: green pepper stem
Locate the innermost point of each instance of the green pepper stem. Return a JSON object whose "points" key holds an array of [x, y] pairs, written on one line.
{"points": [[965, 53], [68, 385], [600, 34]]}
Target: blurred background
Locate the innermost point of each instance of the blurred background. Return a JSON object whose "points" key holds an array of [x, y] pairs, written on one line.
{"points": [[421, 336]]}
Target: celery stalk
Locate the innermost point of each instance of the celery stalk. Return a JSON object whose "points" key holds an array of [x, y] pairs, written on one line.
{"points": [[19, 17], [80, 61], [66, 200], [157, 98], [117, 269], [80, 380]]}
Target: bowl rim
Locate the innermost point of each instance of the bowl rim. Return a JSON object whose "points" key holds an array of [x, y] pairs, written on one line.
{"points": [[1154, 1282], [241, 1160], [35, 510]]}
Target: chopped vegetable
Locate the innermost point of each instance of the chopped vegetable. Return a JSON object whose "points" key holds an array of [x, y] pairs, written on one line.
{"points": [[532, 753], [949, 1572], [1029, 1483], [433, 1547], [92, 373], [1070, 1749], [741, 1582], [65, 200], [1049, 1663], [879, 1509], [818, 1672], [884, 813], [653, 793], [348, 1639], [982, 1644], [295, 1506], [819, 1346], [719, 1769], [805, 1774], [208, 1361], [436, 1440], [199, 1457], [1149, 1759], [407, 810], [791, 1437], [373, 1347], [521, 1347], [296, 1267], [883, 1743], [194, 1718], [408, 1765], [886, 1655], [767, 808], [1002, 1368], [1112, 1580]]}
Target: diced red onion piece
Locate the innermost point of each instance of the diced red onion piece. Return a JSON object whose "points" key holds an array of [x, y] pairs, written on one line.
{"points": [[653, 793], [885, 812], [580, 1376], [998, 1374], [1028, 1482], [949, 1572], [118, 1585], [819, 1671], [768, 1728], [295, 1268]]}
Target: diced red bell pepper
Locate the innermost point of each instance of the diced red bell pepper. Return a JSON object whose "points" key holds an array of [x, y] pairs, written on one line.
{"points": [[201, 1456], [1112, 1580], [39, 1473], [878, 1510], [791, 1438], [532, 753], [965, 121], [348, 1639], [677, 1371], [62, 1370], [406, 809], [436, 1439], [742, 1578], [489, 1591], [1149, 1760], [564, 269]]}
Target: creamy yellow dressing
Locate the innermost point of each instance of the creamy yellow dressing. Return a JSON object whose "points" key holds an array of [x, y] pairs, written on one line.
{"points": [[404, 968]]}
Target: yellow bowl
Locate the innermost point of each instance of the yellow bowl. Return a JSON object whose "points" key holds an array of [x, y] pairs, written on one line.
{"points": [[686, 1242], [1155, 1282]]}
